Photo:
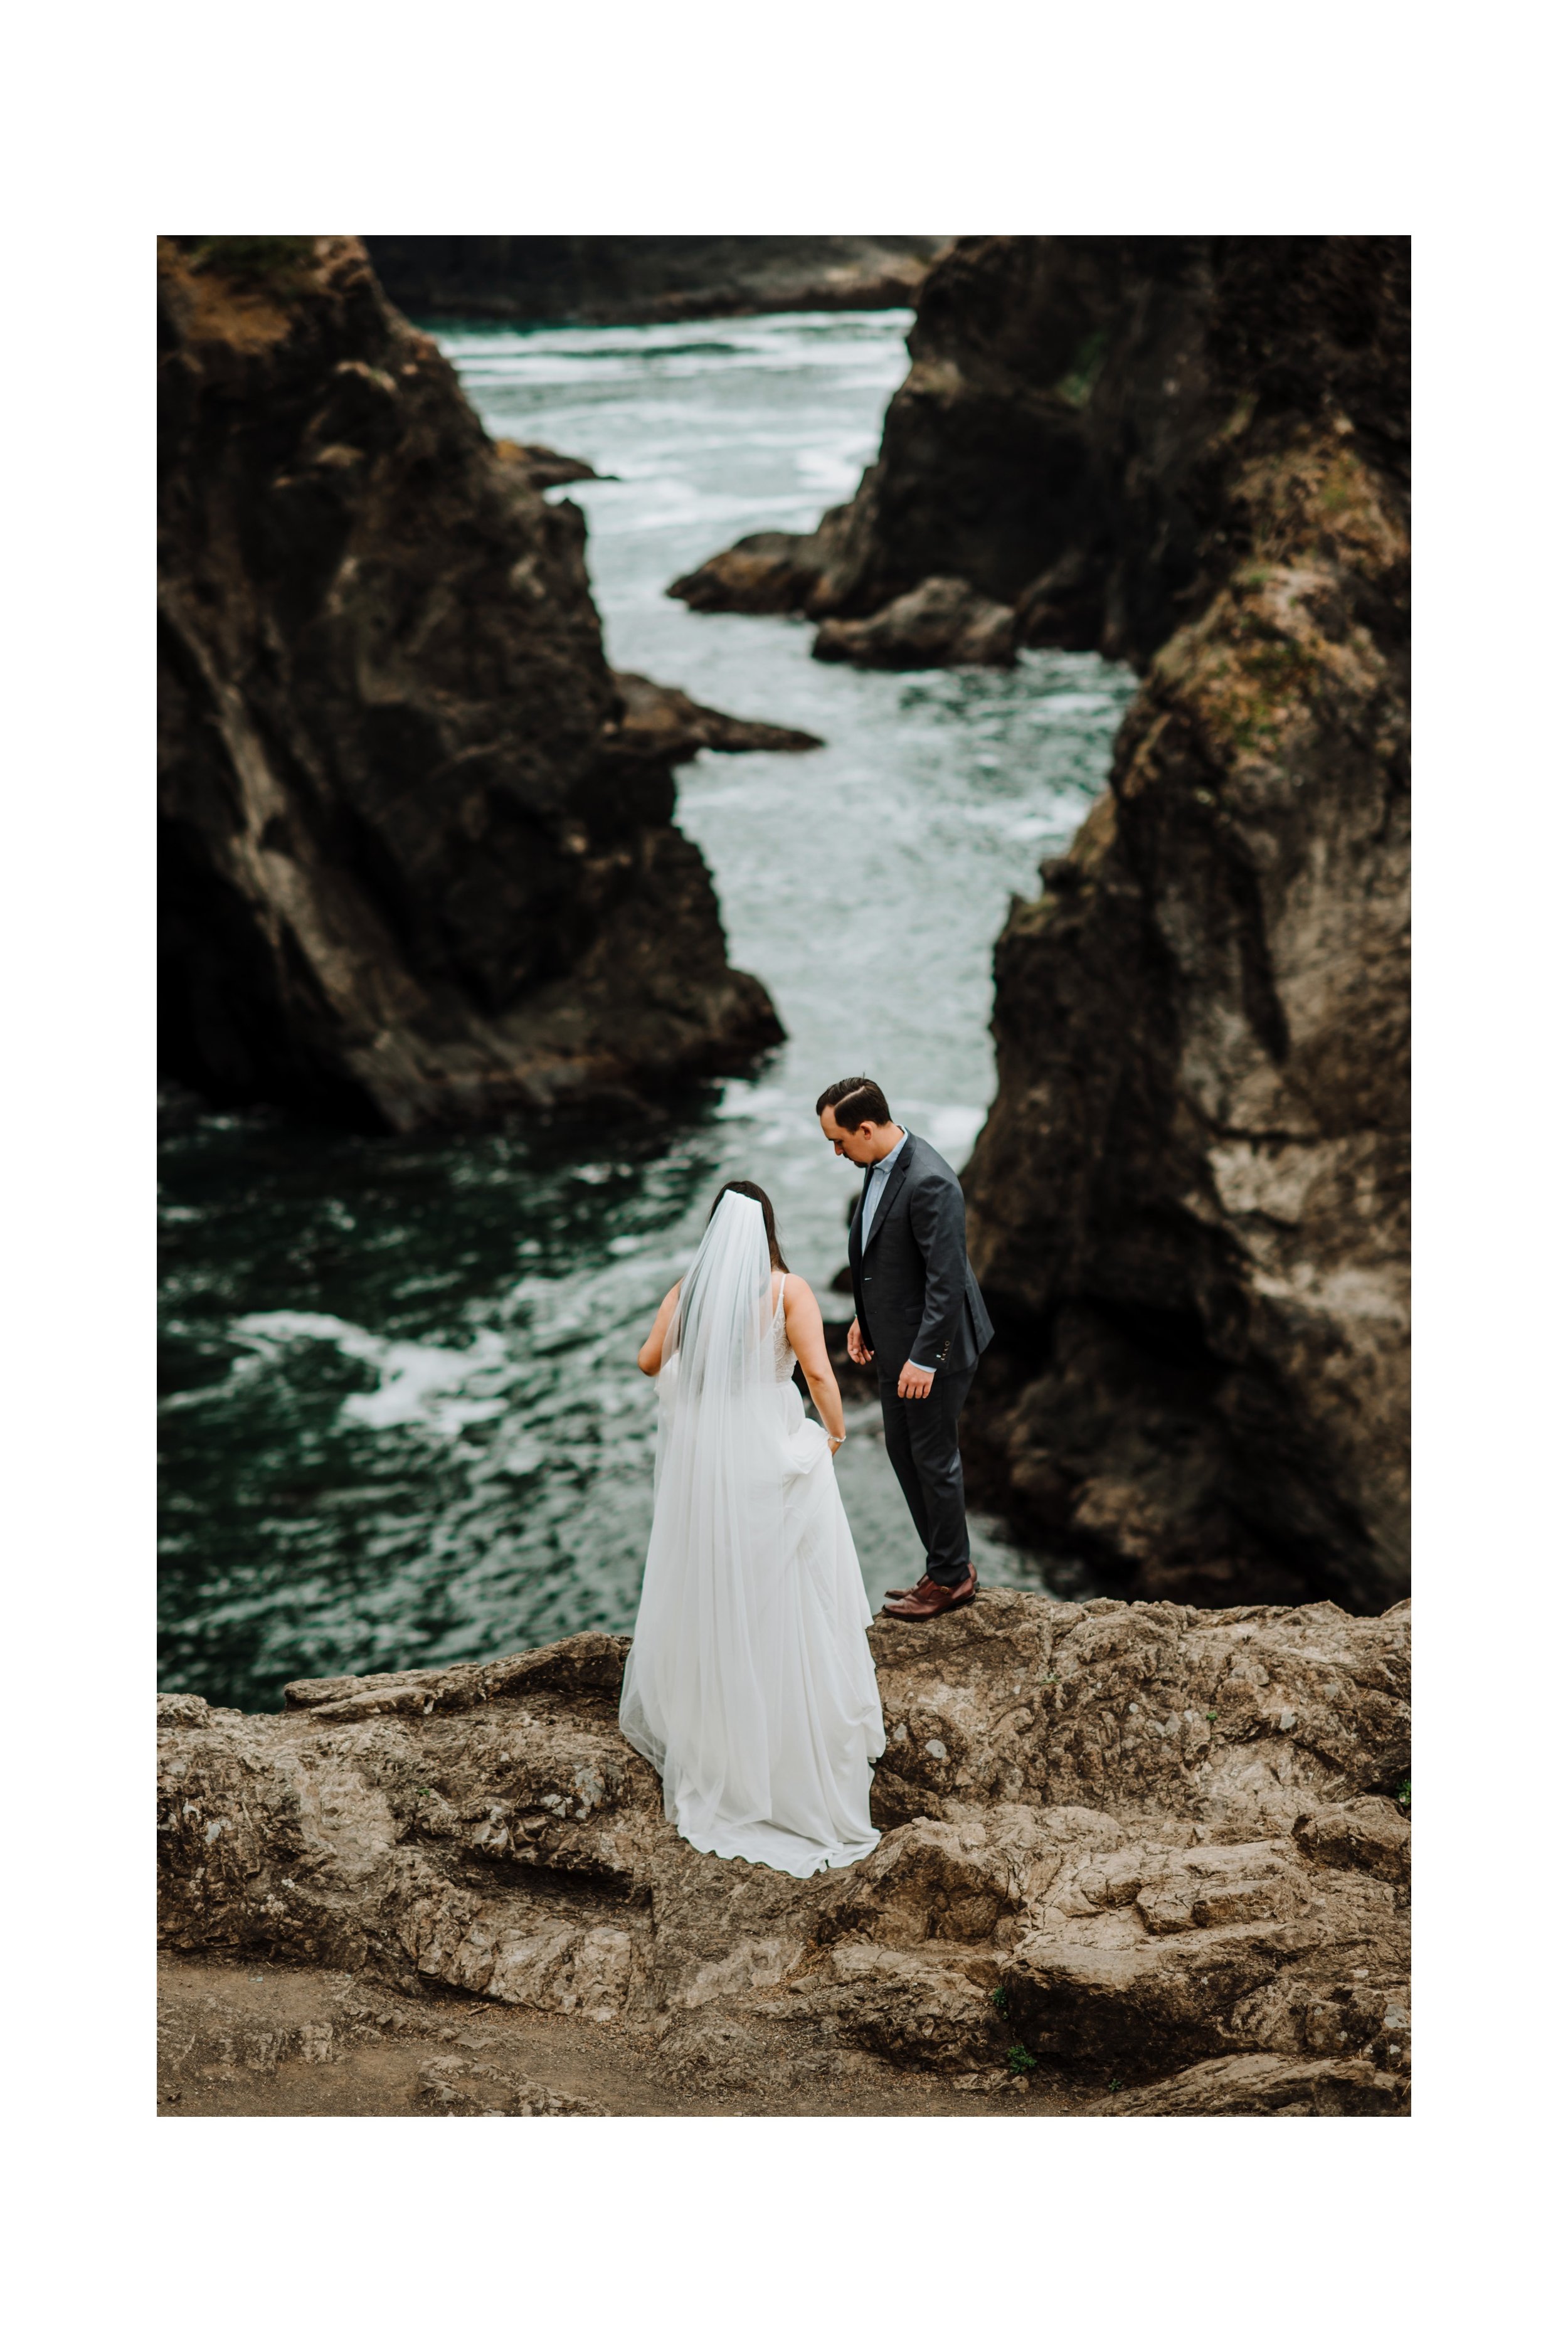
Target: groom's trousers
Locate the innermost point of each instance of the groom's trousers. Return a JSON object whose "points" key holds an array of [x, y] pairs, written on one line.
{"points": [[921, 1434]]}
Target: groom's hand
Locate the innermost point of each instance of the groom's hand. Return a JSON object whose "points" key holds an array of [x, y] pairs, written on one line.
{"points": [[859, 1351], [913, 1382]]}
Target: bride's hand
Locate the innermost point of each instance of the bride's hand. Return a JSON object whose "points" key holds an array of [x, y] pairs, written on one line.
{"points": [[835, 1442]]}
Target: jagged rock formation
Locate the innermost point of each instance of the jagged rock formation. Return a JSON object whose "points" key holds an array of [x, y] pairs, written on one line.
{"points": [[644, 280], [1189, 1204], [1074, 417], [668, 725], [939, 622], [1144, 1845], [548, 468], [413, 868], [1190, 1199]]}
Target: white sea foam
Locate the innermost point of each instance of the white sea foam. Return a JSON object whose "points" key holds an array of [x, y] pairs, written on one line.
{"points": [[444, 1390]]}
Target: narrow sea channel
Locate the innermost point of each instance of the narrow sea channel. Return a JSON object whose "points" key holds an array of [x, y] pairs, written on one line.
{"points": [[402, 1421]]}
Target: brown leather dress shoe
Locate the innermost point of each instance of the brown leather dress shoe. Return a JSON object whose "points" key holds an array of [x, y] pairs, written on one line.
{"points": [[926, 1584], [932, 1600]]}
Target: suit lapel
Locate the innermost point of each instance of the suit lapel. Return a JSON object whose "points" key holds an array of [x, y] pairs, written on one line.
{"points": [[900, 1169]]}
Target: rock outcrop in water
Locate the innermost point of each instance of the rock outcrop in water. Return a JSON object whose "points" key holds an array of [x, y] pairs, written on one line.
{"points": [[1149, 1850], [548, 468], [416, 867], [668, 725], [939, 622], [1189, 1204], [644, 280]]}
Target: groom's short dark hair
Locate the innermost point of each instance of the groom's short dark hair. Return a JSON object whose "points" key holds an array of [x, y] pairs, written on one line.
{"points": [[852, 1101]]}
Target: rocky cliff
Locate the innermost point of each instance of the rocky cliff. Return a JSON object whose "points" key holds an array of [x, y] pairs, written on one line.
{"points": [[1148, 1859], [414, 866], [1067, 438], [1189, 1204], [648, 278]]}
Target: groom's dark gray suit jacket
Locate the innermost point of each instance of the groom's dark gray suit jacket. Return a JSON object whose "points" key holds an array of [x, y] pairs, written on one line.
{"points": [[915, 1292]]}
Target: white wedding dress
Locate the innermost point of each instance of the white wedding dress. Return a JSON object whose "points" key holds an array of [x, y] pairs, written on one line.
{"points": [[750, 1684]]}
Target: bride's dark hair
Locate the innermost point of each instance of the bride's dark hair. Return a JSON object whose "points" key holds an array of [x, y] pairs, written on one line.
{"points": [[755, 1193]]}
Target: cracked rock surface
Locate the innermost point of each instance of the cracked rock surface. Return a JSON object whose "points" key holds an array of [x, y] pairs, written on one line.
{"points": [[1145, 1855]]}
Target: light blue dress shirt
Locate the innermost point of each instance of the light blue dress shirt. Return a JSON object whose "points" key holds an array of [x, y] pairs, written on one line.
{"points": [[874, 1191]]}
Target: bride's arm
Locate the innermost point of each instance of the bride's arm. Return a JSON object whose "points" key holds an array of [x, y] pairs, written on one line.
{"points": [[802, 1325], [650, 1353]]}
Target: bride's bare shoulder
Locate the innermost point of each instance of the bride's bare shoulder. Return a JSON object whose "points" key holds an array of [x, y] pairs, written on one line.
{"points": [[798, 1292]]}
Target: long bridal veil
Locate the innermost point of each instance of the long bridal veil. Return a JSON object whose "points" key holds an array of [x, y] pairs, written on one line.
{"points": [[750, 1684]]}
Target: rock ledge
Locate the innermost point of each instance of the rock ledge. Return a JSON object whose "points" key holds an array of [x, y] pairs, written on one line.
{"points": [[1148, 1848]]}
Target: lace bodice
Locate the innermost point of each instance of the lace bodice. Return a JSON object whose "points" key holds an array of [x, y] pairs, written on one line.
{"points": [[784, 1354]]}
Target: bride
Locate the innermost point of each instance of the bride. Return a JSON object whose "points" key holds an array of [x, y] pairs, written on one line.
{"points": [[750, 1684]]}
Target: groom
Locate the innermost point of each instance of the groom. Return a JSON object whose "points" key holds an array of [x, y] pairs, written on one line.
{"points": [[918, 1315]]}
